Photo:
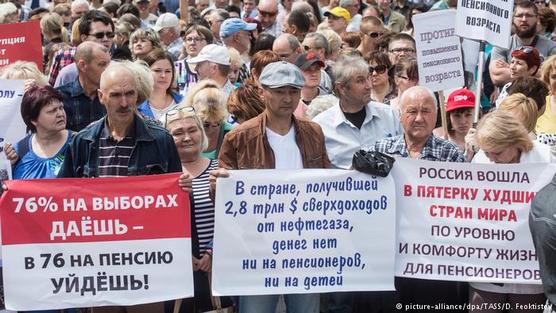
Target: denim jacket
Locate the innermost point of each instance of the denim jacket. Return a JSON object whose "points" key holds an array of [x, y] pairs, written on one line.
{"points": [[154, 151]]}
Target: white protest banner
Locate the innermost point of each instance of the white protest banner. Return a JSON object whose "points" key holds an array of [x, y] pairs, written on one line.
{"points": [[12, 127], [438, 50], [303, 231], [467, 222], [487, 20], [87, 242]]}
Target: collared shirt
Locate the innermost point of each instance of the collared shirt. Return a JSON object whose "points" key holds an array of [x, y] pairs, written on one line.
{"points": [[67, 74], [80, 109], [343, 139], [114, 155], [174, 48], [274, 29], [61, 59], [436, 149]]}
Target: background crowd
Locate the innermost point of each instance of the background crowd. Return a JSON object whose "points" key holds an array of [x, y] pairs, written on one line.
{"points": [[230, 84]]}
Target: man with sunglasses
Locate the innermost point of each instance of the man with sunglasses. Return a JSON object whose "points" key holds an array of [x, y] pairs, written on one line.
{"points": [[371, 30], [275, 139], [268, 10], [95, 26], [524, 22]]}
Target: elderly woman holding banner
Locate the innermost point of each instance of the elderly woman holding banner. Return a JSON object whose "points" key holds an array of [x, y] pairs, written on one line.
{"points": [[504, 139]]}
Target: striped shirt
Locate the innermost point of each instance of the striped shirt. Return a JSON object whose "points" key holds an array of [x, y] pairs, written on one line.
{"points": [[204, 208], [114, 155]]}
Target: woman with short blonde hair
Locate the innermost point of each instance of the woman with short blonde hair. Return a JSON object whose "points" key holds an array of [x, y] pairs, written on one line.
{"points": [[24, 70], [523, 108], [501, 129], [143, 41]]}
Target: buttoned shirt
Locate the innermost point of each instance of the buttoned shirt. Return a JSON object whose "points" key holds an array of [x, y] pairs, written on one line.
{"points": [[274, 29], [62, 58], [343, 139], [80, 109], [436, 149]]}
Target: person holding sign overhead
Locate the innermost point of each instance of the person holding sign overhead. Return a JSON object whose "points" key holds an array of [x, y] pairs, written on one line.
{"points": [[525, 23]]}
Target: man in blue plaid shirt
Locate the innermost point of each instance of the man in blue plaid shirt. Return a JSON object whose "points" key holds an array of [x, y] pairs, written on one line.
{"points": [[418, 109]]}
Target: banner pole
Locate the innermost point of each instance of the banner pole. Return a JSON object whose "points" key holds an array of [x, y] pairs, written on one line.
{"points": [[479, 84], [443, 116]]}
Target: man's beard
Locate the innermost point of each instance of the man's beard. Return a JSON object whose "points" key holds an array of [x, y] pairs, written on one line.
{"points": [[528, 33]]}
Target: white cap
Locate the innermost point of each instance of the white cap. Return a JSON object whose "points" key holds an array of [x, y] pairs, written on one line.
{"points": [[212, 53], [166, 20]]}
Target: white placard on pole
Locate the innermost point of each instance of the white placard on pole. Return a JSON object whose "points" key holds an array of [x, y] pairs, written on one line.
{"points": [[12, 127], [488, 20], [438, 50]]}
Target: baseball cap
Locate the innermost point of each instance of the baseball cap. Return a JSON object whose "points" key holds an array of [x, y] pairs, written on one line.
{"points": [[166, 20], [281, 74], [339, 12], [461, 98], [234, 25], [212, 53], [305, 60]]}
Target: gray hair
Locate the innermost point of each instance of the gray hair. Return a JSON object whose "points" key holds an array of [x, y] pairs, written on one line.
{"points": [[418, 90], [77, 3], [149, 34], [86, 50], [346, 67], [345, 3], [321, 104], [320, 42], [6, 9], [223, 14], [293, 42]]}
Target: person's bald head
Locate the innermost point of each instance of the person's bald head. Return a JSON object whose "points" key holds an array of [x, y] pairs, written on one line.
{"points": [[418, 110], [116, 72], [287, 47], [87, 51], [268, 10]]}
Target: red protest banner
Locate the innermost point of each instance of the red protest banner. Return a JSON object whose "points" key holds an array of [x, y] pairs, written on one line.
{"points": [[21, 42], [112, 241]]}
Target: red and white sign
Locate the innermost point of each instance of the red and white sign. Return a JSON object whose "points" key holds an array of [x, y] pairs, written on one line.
{"points": [[21, 42], [95, 242]]}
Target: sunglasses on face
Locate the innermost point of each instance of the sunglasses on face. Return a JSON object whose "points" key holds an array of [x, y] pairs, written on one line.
{"points": [[101, 35], [379, 69], [374, 34], [267, 14]]}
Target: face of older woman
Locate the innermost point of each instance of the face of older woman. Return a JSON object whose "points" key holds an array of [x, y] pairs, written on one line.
{"points": [[194, 42], [519, 68], [503, 155], [52, 117], [142, 46], [187, 137]]}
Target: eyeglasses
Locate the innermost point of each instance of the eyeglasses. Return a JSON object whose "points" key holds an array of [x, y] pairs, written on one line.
{"points": [[177, 113], [524, 15], [101, 35], [267, 14], [194, 39], [374, 34], [379, 69], [402, 50]]}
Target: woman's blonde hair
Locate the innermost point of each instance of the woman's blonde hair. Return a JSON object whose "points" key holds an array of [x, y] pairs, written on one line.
{"points": [[6, 9], [210, 105], [546, 68], [500, 129], [75, 34], [24, 70], [235, 58], [526, 108], [143, 79], [52, 26], [181, 113]]}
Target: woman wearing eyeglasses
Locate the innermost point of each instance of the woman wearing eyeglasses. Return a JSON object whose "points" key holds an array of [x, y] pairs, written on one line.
{"points": [[143, 41], [195, 38], [189, 136], [525, 62], [383, 88], [163, 97], [406, 75]]}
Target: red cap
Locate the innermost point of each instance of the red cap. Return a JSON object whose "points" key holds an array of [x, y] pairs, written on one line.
{"points": [[461, 98]]}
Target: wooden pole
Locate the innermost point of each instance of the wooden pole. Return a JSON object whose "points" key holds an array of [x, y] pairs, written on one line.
{"points": [[443, 116]]}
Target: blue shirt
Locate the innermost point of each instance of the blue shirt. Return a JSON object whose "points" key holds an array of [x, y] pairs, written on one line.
{"points": [[436, 149], [32, 166], [343, 139], [80, 109]]}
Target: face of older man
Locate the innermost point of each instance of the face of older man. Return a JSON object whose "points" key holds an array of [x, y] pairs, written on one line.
{"points": [[418, 114], [119, 95]]}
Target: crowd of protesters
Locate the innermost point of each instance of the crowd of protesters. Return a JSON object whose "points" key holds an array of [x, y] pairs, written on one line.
{"points": [[138, 87]]}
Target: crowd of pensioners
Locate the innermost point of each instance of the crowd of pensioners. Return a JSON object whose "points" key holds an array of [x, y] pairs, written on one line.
{"points": [[140, 87]]}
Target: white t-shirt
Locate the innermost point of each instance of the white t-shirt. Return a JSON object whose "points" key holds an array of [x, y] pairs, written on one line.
{"points": [[286, 152]]}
